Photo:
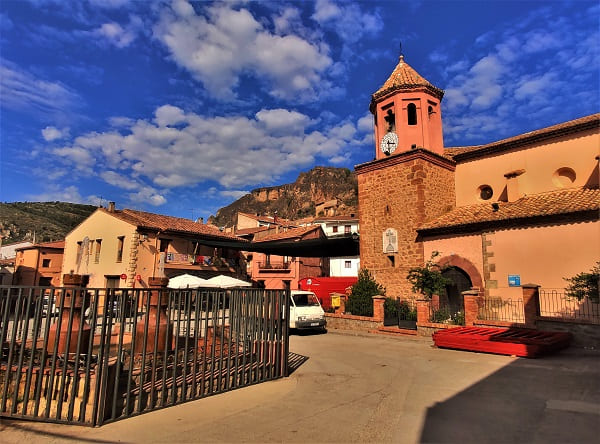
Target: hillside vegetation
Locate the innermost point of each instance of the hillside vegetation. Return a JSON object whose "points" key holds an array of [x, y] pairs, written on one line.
{"points": [[47, 221], [50, 221]]}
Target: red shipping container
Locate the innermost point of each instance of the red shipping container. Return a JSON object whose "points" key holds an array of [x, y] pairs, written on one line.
{"points": [[324, 286]]}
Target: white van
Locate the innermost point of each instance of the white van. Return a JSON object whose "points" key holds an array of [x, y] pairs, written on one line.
{"points": [[306, 311]]}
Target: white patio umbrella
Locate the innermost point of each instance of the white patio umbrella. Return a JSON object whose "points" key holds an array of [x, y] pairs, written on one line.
{"points": [[223, 281], [186, 281]]}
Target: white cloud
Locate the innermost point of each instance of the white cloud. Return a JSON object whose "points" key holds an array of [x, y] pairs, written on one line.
{"points": [[347, 20], [234, 194], [68, 194], [51, 133], [233, 151], [22, 90], [365, 123], [115, 34], [536, 65], [225, 43]]}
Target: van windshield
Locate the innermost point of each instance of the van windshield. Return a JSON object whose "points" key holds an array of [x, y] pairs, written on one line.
{"points": [[305, 300]]}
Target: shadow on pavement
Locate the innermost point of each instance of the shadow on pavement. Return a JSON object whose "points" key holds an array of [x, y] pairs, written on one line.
{"points": [[295, 361], [552, 399], [24, 427]]}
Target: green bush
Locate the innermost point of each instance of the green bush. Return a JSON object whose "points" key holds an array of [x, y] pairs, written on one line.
{"points": [[360, 302], [390, 307], [585, 285], [428, 280]]}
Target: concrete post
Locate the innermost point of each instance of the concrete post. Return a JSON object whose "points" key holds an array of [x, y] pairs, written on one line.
{"points": [[71, 298], [342, 308], [154, 327], [472, 302], [378, 313], [531, 303]]}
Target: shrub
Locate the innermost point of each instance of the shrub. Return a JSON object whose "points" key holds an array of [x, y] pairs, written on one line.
{"points": [[428, 280], [407, 312], [390, 307], [360, 302], [585, 284]]}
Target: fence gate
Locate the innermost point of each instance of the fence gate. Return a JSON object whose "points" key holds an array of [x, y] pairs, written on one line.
{"points": [[92, 356]]}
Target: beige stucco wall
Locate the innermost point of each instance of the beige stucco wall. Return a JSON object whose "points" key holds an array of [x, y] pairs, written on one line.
{"points": [[467, 247], [540, 161], [543, 255], [539, 255], [100, 225]]}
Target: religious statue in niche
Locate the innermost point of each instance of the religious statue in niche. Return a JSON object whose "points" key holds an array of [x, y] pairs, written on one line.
{"points": [[390, 241]]}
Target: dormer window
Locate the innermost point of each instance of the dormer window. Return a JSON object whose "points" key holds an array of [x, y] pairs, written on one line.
{"points": [[411, 111]]}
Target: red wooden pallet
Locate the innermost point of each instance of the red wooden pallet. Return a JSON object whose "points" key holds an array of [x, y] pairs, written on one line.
{"points": [[504, 341]]}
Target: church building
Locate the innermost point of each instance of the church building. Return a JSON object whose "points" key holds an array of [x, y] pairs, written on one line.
{"points": [[516, 211]]}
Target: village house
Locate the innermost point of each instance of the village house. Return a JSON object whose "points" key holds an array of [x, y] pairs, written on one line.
{"points": [[39, 264], [520, 210], [334, 226], [124, 248], [284, 272]]}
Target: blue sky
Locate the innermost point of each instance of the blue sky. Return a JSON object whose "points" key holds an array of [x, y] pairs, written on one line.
{"points": [[182, 107]]}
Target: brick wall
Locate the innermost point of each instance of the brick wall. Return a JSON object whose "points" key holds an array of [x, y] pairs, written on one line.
{"points": [[400, 192]]}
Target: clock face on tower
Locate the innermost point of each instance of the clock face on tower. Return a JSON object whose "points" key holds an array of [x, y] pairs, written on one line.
{"points": [[389, 143]]}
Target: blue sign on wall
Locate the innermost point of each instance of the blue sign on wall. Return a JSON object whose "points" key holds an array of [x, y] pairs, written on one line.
{"points": [[514, 280]]}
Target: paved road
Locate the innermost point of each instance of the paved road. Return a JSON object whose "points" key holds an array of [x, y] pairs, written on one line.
{"points": [[376, 389]]}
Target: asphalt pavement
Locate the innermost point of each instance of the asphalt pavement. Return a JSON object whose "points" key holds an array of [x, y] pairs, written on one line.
{"points": [[375, 389]]}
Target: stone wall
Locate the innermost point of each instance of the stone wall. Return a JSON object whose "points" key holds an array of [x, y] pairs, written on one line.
{"points": [[349, 322], [400, 192]]}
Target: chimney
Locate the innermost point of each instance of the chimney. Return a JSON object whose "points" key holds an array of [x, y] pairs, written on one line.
{"points": [[512, 185], [200, 220], [111, 207]]}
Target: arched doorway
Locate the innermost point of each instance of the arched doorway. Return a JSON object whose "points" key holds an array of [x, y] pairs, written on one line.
{"points": [[459, 282]]}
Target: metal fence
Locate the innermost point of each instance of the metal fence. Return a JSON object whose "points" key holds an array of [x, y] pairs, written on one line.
{"points": [[554, 303], [442, 312], [91, 356], [497, 309]]}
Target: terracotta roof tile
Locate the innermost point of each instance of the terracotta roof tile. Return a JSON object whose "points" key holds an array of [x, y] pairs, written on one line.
{"points": [[405, 77], [468, 152], [153, 221], [54, 244], [292, 233], [552, 203], [267, 219]]}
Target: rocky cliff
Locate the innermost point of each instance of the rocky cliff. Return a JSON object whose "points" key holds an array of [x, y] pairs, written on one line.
{"points": [[299, 199]]}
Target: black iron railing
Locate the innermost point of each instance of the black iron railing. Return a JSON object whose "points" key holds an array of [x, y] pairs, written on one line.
{"points": [[554, 303], [498, 309], [91, 356]]}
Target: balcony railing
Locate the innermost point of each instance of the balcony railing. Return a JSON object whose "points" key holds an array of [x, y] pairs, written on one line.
{"points": [[274, 266]]}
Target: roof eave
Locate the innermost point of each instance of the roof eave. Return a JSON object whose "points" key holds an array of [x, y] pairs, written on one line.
{"points": [[542, 219]]}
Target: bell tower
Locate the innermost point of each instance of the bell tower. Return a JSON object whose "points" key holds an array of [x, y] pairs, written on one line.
{"points": [[407, 113]]}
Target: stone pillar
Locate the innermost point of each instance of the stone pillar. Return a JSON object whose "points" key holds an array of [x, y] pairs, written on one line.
{"points": [[154, 326], [531, 303], [378, 313], [71, 299], [472, 302], [423, 310], [435, 302]]}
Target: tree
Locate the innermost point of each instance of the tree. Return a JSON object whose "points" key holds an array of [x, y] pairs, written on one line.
{"points": [[428, 280], [360, 302], [585, 285]]}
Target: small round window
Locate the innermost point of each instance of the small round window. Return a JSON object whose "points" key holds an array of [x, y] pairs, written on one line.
{"points": [[485, 192], [564, 177]]}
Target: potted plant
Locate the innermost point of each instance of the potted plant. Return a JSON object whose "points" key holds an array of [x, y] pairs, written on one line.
{"points": [[390, 312], [407, 316]]}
